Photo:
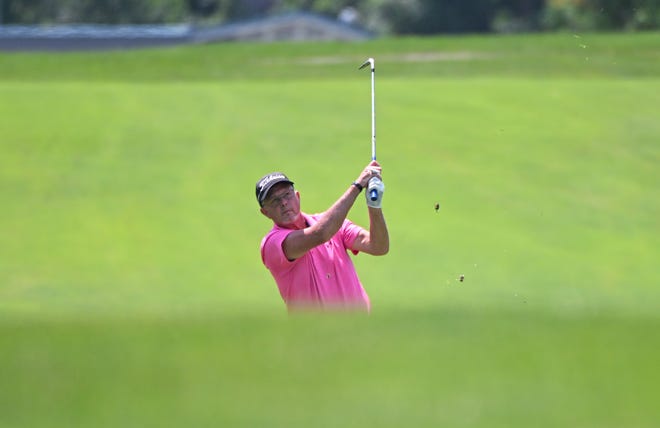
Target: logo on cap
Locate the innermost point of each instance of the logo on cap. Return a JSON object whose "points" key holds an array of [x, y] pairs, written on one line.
{"points": [[270, 178]]}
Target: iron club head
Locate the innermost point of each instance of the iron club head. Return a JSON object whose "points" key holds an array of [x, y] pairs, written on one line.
{"points": [[370, 62]]}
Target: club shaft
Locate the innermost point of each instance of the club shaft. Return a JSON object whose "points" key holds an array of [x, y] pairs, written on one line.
{"points": [[373, 193], [373, 111]]}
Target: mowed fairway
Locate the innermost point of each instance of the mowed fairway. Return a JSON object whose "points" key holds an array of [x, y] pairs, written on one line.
{"points": [[131, 288]]}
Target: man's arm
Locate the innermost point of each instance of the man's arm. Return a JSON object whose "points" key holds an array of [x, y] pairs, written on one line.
{"points": [[376, 240], [298, 242]]}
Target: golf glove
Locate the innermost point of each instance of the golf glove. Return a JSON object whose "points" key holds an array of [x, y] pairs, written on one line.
{"points": [[375, 184]]}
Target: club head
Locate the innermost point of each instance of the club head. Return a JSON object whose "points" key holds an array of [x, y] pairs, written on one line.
{"points": [[370, 61]]}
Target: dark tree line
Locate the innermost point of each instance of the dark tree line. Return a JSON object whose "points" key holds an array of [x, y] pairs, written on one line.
{"points": [[381, 16]]}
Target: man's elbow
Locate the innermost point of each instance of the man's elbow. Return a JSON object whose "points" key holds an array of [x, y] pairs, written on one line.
{"points": [[381, 250]]}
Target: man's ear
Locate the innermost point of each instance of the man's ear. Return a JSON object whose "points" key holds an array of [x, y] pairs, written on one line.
{"points": [[263, 211]]}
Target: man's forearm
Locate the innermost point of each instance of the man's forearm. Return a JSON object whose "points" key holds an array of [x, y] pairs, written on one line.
{"points": [[378, 235], [334, 217]]}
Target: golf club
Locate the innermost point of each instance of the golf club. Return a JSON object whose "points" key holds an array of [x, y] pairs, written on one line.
{"points": [[373, 195]]}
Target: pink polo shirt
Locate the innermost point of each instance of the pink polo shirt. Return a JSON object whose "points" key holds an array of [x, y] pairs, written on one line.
{"points": [[323, 278]]}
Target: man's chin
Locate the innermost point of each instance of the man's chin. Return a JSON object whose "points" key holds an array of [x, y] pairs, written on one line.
{"points": [[289, 219]]}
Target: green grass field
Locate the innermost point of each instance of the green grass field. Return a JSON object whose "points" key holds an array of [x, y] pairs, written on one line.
{"points": [[131, 288]]}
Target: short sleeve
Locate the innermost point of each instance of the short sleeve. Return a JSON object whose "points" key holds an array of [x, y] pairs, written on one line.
{"points": [[350, 232], [272, 253]]}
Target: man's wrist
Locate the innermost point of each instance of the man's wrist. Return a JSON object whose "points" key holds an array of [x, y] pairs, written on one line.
{"points": [[357, 186]]}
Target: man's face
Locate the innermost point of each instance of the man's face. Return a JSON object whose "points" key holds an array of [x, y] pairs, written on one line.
{"points": [[282, 205]]}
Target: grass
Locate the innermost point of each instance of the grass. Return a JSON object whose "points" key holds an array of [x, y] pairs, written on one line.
{"points": [[456, 368], [131, 289], [633, 55]]}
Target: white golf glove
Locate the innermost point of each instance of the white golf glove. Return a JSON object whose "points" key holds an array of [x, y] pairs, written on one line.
{"points": [[376, 184]]}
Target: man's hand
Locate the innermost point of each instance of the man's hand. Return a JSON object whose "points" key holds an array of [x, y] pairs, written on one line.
{"points": [[371, 180], [377, 185], [370, 171]]}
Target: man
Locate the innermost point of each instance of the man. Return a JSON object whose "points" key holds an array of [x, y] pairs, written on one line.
{"points": [[307, 254]]}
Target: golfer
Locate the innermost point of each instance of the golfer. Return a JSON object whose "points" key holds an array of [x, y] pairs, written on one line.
{"points": [[308, 254]]}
